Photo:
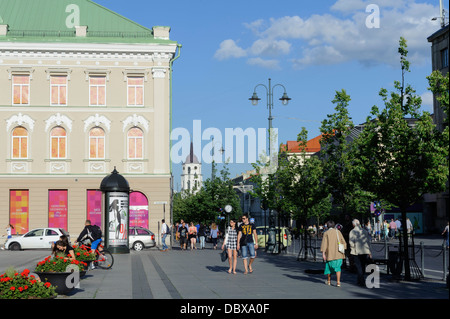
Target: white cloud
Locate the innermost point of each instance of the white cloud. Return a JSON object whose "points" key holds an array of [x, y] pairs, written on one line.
{"points": [[229, 49], [323, 39], [267, 47], [268, 64]]}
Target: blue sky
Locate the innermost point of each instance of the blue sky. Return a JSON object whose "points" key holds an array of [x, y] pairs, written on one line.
{"points": [[313, 48]]}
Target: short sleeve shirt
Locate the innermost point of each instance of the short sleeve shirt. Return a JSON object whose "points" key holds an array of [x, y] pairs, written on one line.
{"points": [[247, 233]]}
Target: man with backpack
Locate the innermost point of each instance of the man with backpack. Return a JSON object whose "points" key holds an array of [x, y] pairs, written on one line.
{"points": [[91, 232]]}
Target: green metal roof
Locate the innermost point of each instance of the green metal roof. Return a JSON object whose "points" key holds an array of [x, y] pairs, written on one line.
{"points": [[48, 21]]}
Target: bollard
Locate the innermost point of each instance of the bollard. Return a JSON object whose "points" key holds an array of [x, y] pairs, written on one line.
{"points": [[444, 248], [422, 257]]}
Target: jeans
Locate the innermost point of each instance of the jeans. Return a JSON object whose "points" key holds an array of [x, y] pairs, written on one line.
{"points": [[164, 246], [202, 242], [249, 249]]}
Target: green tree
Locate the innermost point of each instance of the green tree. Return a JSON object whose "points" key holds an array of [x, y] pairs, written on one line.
{"points": [[400, 154], [204, 206], [338, 160], [303, 185]]}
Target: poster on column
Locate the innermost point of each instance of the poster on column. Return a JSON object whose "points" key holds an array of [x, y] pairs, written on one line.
{"points": [[18, 211], [57, 209], [118, 219]]}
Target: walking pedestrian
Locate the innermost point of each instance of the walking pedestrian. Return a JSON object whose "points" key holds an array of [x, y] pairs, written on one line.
{"points": [[248, 241], [360, 249], [201, 235], [446, 231], [165, 231], [193, 236], [386, 230], [9, 229], [377, 229], [392, 228], [409, 227], [214, 233], [230, 243], [330, 253], [183, 231]]}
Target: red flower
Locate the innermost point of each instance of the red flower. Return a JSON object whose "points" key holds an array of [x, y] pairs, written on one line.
{"points": [[20, 289], [12, 288], [47, 284]]}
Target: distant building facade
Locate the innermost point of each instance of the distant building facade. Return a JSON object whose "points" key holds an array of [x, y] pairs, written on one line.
{"points": [[437, 205], [191, 176]]}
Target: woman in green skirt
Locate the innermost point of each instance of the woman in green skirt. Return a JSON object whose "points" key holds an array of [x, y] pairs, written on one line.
{"points": [[330, 253]]}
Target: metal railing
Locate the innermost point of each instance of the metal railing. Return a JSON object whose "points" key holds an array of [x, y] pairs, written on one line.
{"points": [[421, 254]]}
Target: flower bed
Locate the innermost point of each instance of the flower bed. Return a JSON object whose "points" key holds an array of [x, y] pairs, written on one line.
{"points": [[58, 264], [14, 285], [83, 253]]}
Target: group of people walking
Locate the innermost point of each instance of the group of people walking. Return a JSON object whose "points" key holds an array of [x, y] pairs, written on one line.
{"points": [[239, 236], [333, 249]]}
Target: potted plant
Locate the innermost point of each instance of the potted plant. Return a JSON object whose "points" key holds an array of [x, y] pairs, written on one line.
{"points": [[15, 285], [57, 270]]}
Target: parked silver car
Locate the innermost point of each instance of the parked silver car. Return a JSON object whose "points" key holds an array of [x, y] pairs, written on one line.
{"points": [[39, 238], [140, 238]]}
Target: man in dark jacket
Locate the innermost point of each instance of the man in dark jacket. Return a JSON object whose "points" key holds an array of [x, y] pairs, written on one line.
{"points": [[91, 232]]}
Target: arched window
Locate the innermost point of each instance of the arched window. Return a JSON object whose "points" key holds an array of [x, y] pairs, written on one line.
{"points": [[19, 143], [58, 142], [135, 143], [96, 143]]}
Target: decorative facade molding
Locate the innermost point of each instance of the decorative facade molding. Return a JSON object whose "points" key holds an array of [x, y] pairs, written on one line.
{"points": [[58, 119], [135, 120], [135, 72], [97, 120], [159, 73], [20, 120]]}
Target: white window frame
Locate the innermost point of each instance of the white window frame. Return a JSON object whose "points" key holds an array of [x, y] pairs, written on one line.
{"points": [[97, 138], [58, 138], [20, 143], [59, 86], [21, 86], [135, 86], [96, 86], [135, 138]]}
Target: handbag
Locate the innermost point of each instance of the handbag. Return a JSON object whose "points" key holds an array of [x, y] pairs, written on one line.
{"points": [[224, 255], [341, 248]]}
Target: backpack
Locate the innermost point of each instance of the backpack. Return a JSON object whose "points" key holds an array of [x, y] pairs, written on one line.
{"points": [[94, 232], [167, 229]]}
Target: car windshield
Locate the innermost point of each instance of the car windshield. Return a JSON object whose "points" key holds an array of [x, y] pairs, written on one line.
{"points": [[36, 232]]}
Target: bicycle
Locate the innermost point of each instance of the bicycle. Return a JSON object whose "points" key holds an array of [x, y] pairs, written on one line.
{"points": [[104, 258]]}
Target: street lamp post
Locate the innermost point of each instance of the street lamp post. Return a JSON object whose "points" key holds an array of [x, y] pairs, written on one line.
{"points": [[284, 100], [269, 91]]}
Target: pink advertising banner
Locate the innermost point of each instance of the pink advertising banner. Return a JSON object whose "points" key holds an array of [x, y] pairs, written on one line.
{"points": [[19, 211], [57, 209], [94, 207], [138, 209]]}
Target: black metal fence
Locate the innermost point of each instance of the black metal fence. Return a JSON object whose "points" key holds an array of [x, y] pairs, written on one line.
{"points": [[427, 259]]}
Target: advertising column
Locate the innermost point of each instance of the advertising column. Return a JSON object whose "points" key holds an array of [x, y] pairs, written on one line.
{"points": [[118, 220]]}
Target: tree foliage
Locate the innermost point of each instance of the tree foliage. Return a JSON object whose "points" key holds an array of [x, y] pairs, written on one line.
{"points": [[400, 154]]}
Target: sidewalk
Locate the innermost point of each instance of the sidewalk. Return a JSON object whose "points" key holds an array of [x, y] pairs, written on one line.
{"points": [[200, 274]]}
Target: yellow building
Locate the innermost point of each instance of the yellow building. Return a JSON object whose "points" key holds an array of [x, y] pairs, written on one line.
{"points": [[83, 90]]}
